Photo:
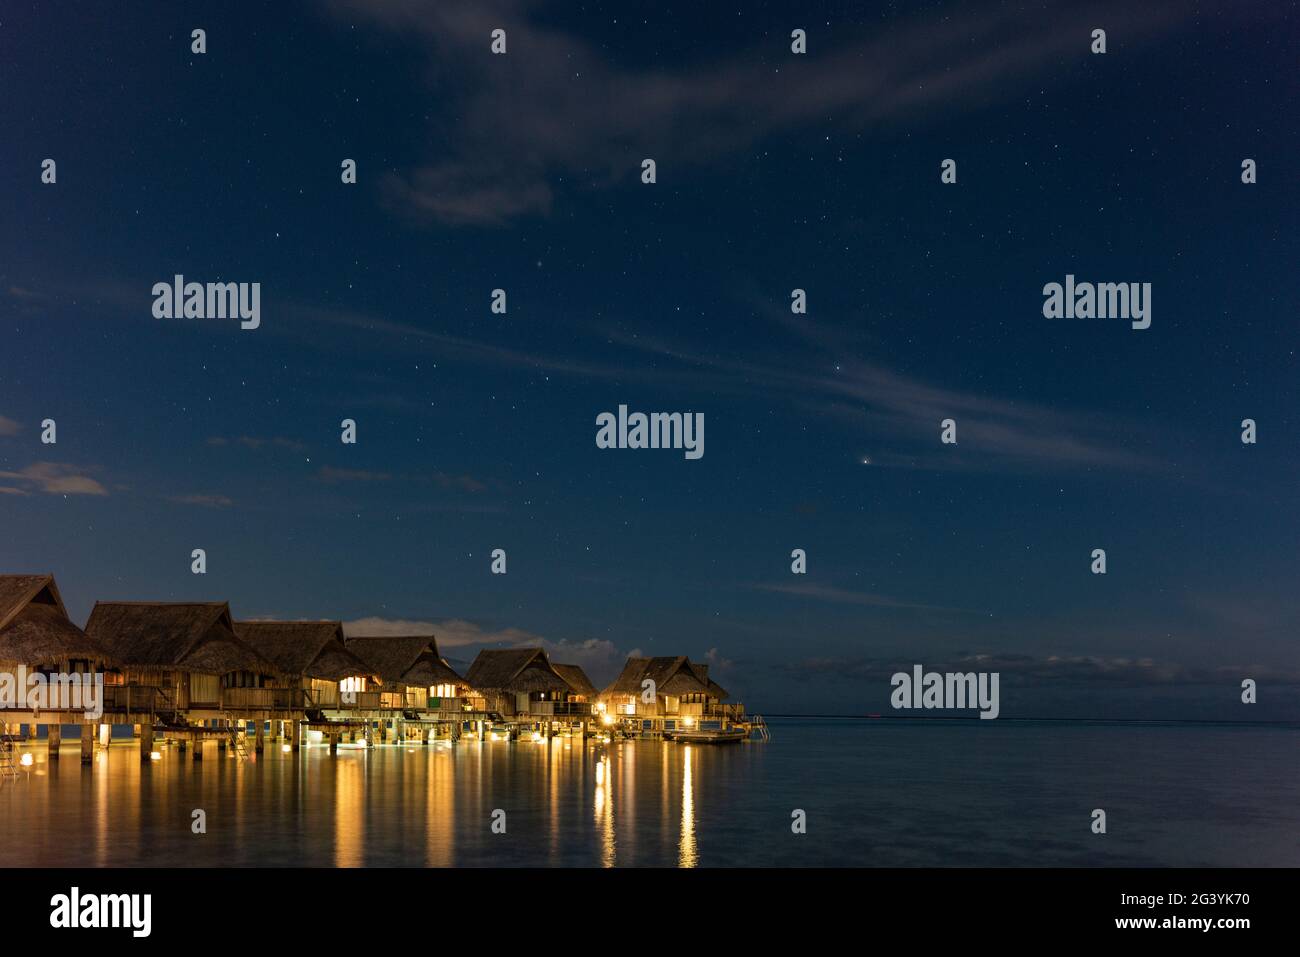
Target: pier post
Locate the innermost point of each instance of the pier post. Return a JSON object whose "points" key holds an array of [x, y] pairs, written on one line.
{"points": [[334, 742], [259, 742], [198, 746], [294, 735], [87, 744], [146, 740], [105, 734], [54, 737], [181, 743]]}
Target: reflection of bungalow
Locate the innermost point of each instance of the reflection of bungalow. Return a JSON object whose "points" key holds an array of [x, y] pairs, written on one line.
{"points": [[183, 656], [582, 695], [517, 682], [682, 689], [36, 633], [313, 654], [413, 666]]}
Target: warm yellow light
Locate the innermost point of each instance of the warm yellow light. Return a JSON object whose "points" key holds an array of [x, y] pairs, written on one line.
{"points": [[155, 755], [537, 736], [688, 721], [495, 736], [600, 706], [607, 719], [607, 739], [25, 760], [286, 748]]}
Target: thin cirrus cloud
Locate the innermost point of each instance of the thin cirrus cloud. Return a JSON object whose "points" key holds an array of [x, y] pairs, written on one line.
{"points": [[51, 478], [900, 410], [844, 596], [9, 426], [203, 501], [256, 442], [556, 107]]}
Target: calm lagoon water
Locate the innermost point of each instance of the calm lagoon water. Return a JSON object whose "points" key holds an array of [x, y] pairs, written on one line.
{"points": [[877, 793]]}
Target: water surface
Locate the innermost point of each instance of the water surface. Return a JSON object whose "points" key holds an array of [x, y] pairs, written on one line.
{"points": [[876, 793]]}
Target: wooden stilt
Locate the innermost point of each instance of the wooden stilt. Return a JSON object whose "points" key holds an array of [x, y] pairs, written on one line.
{"points": [[54, 738], [146, 740], [87, 744]]}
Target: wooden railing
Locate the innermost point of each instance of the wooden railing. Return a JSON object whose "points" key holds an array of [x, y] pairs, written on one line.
{"points": [[263, 699], [137, 699]]}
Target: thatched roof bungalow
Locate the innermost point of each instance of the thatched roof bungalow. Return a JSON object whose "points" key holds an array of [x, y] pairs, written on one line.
{"points": [[681, 686], [189, 650], [314, 654], [35, 631], [580, 686], [412, 663], [516, 681]]}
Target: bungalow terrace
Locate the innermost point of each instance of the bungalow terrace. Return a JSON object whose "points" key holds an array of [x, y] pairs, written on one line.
{"points": [[411, 664], [518, 682], [313, 656], [683, 694]]}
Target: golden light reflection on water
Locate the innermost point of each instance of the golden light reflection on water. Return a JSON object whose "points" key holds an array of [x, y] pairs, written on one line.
{"points": [[440, 811], [687, 855], [349, 810], [428, 806], [604, 810]]}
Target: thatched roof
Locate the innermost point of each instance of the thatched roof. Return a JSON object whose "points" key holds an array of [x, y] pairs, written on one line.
{"points": [[183, 636], [672, 676], [405, 659], [314, 649], [34, 625], [576, 679], [514, 670]]}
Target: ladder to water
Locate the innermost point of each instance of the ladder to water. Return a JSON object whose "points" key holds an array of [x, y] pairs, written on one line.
{"points": [[237, 739], [758, 726], [8, 768]]}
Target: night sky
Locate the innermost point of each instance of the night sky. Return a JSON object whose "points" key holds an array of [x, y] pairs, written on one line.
{"points": [[775, 171]]}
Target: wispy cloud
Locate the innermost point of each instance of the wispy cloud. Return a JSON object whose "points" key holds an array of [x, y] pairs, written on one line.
{"points": [[54, 478], [253, 442], [844, 596], [557, 107], [332, 475], [206, 501], [9, 426]]}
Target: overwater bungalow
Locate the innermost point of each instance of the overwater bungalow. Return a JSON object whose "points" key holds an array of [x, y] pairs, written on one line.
{"points": [[37, 637], [582, 693], [314, 657], [684, 696], [411, 664], [182, 660], [519, 682], [37, 634]]}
